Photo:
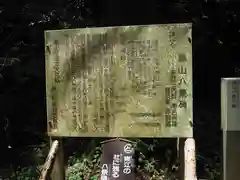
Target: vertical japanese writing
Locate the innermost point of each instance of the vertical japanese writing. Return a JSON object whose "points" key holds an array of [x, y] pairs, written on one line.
{"points": [[104, 172], [98, 95], [143, 66], [128, 159], [53, 123], [102, 107], [235, 95], [56, 80], [174, 116], [182, 71], [172, 38], [167, 95], [74, 99], [56, 66], [171, 116], [156, 75], [106, 74], [127, 164], [182, 98], [116, 166], [86, 100], [173, 76], [168, 117], [171, 96]]}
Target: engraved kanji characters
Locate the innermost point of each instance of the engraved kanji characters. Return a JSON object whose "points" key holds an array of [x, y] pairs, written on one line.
{"points": [[234, 94], [170, 93], [182, 71], [171, 116]]}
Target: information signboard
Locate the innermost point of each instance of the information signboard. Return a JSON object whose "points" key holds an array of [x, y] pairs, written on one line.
{"points": [[117, 161], [126, 81], [230, 100]]}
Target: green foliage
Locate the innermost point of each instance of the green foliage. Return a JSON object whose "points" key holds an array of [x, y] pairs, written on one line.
{"points": [[84, 166], [157, 160], [25, 173], [211, 167]]}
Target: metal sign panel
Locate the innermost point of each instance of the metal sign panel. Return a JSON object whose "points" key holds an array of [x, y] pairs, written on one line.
{"points": [[230, 100], [117, 160], [126, 81]]}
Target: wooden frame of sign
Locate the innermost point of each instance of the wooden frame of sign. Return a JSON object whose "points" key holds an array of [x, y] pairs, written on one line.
{"points": [[230, 115], [124, 81]]}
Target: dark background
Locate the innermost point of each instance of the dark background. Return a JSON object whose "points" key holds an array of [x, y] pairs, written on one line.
{"points": [[216, 35]]}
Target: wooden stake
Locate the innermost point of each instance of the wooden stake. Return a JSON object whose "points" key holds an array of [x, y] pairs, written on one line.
{"points": [[58, 170], [187, 159], [181, 157], [49, 161], [190, 159]]}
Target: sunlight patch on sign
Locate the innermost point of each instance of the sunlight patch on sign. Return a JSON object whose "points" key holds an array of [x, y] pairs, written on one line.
{"points": [[126, 81]]}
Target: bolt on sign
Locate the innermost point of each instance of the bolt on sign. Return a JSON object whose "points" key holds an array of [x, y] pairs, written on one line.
{"points": [[126, 81], [117, 160]]}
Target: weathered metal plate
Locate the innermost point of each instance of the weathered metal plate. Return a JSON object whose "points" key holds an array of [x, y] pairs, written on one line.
{"points": [[127, 81], [230, 104]]}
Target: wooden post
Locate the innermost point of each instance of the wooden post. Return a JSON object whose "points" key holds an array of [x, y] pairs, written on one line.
{"points": [[190, 159], [46, 170], [187, 159], [181, 157], [58, 170]]}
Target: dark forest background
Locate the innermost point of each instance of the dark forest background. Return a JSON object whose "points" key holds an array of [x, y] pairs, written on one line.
{"points": [[216, 36]]}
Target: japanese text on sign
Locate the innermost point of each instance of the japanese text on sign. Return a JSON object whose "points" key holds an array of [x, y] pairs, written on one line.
{"points": [[172, 101], [104, 172], [116, 165], [127, 164], [97, 76], [235, 94]]}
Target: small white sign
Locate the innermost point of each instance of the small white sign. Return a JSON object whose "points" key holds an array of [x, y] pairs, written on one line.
{"points": [[230, 104]]}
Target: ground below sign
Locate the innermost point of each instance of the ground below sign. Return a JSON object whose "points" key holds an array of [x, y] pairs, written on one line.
{"points": [[127, 81]]}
